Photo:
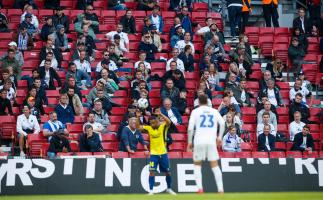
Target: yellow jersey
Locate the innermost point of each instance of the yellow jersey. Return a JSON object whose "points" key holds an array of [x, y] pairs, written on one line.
{"points": [[157, 139]]}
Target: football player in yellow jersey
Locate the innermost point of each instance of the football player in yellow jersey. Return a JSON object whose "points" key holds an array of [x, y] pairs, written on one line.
{"points": [[158, 151]]}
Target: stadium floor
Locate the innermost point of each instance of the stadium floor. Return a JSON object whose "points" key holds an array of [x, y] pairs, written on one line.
{"points": [[226, 196]]}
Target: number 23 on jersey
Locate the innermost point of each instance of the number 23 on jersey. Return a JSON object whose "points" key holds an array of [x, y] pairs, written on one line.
{"points": [[206, 121]]}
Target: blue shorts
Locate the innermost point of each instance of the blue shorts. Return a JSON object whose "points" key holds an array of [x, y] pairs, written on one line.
{"points": [[159, 160]]}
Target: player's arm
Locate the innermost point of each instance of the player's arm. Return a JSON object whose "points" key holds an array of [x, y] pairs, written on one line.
{"points": [[165, 118], [221, 123], [138, 125], [190, 132]]}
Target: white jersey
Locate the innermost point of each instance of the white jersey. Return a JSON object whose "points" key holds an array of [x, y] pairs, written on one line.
{"points": [[205, 121]]}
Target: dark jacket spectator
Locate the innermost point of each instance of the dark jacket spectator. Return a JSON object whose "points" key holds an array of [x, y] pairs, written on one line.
{"points": [[130, 138], [175, 112], [169, 91], [5, 103], [90, 144], [3, 23], [301, 107], [188, 60], [129, 23], [81, 4], [47, 29], [298, 142], [52, 76], [149, 48], [60, 18], [65, 115], [57, 53], [58, 143], [262, 142]]}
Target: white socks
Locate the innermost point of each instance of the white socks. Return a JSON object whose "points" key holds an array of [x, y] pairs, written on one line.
{"points": [[218, 178], [198, 176]]}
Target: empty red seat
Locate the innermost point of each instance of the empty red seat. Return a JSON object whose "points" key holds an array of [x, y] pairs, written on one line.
{"points": [[174, 155], [187, 155], [281, 31], [177, 146], [293, 154], [138, 155], [110, 146], [200, 7], [277, 154], [259, 154], [253, 35], [179, 137], [52, 93], [115, 119], [34, 143], [280, 146], [243, 154], [266, 44], [224, 154], [120, 155], [108, 137]]}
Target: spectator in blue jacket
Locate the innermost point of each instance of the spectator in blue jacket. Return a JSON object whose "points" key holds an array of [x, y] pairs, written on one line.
{"points": [[171, 112], [83, 79], [64, 111], [90, 141], [130, 137], [186, 20], [157, 19]]}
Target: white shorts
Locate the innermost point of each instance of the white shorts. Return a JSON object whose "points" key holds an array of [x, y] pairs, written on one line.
{"points": [[205, 152]]}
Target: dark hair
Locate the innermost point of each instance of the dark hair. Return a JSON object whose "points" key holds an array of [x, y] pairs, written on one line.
{"points": [[47, 60], [202, 99], [187, 47], [207, 18], [88, 126], [11, 51], [153, 117], [49, 53], [265, 113], [307, 126], [3, 90], [70, 64], [5, 71], [299, 94]]}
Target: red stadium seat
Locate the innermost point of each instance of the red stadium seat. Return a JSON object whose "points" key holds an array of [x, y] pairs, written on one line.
{"points": [[177, 146], [109, 146], [120, 155], [245, 146], [259, 154], [177, 137], [115, 119], [277, 154], [188, 155], [253, 35], [34, 143], [313, 154], [200, 7], [226, 154], [293, 154], [108, 137], [280, 146], [138, 155], [172, 155], [243, 154]]}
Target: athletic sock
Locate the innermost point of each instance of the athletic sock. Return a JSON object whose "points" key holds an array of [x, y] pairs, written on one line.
{"points": [[198, 176], [218, 178], [169, 181], [151, 182]]}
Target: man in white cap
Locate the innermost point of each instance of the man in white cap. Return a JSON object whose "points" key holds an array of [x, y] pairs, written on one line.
{"points": [[19, 57]]}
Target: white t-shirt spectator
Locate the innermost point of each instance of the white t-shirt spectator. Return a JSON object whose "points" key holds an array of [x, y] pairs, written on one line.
{"points": [[304, 91], [260, 129], [123, 36], [84, 66], [295, 128], [180, 45], [23, 124], [34, 20], [11, 94], [112, 66], [54, 63], [203, 30], [147, 64], [180, 64]]}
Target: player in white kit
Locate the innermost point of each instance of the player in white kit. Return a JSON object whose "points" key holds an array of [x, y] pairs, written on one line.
{"points": [[203, 126]]}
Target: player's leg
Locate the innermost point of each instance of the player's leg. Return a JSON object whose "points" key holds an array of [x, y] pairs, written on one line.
{"points": [[213, 157], [153, 164], [198, 157], [164, 166]]}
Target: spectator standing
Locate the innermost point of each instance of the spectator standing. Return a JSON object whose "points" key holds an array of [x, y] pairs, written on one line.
{"points": [[157, 19], [235, 12], [185, 19], [301, 21], [246, 10], [270, 12]]}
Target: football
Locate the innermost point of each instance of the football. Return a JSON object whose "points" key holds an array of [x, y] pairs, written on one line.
{"points": [[142, 103]]}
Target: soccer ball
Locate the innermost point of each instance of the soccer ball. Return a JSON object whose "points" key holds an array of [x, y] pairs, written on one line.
{"points": [[143, 103]]}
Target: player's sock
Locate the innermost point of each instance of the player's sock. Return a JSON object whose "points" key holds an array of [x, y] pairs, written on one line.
{"points": [[169, 181], [218, 178], [198, 176], [151, 182]]}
